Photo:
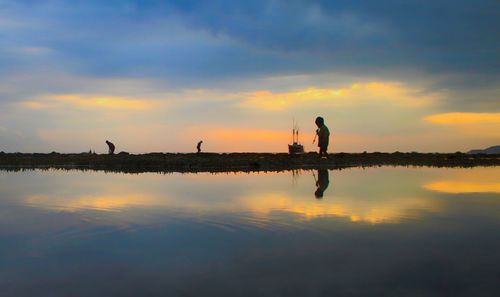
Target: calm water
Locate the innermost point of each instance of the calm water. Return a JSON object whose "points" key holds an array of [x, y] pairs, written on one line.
{"points": [[375, 232]]}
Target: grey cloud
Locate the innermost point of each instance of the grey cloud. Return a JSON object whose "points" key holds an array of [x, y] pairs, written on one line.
{"points": [[199, 43]]}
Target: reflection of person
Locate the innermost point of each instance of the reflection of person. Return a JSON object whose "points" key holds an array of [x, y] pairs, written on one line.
{"points": [[323, 136], [322, 183], [198, 146], [111, 147]]}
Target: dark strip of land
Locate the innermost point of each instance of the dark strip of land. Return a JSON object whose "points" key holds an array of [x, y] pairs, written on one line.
{"points": [[212, 162]]}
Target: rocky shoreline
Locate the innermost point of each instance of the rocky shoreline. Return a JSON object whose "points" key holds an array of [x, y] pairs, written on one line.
{"points": [[215, 162]]}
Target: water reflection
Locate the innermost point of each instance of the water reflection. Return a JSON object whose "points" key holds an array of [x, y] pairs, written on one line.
{"points": [[378, 231], [105, 202], [485, 180], [373, 202], [360, 196], [322, 183]]}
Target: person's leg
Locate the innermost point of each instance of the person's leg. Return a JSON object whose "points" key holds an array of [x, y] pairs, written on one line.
{"points": [[322, 152]]}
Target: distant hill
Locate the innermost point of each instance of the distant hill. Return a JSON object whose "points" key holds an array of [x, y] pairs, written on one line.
{"points": [[490, 150]]}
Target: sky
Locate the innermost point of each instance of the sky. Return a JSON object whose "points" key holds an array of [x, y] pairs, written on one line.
{"points": [[158, 76]]}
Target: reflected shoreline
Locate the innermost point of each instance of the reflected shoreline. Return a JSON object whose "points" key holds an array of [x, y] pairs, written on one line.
{"points": [[234, 162]]}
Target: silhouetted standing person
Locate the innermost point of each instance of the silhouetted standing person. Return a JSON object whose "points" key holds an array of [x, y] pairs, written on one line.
{"points": [[198, 146], [111, 147], [322, 183], [323, 136]]}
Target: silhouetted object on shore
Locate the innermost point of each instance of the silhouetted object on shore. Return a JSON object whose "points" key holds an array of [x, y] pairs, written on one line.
{"points": [[295, 147], [323, 136], [322, 183], [491, 150], [198, 146], [111, 147]]}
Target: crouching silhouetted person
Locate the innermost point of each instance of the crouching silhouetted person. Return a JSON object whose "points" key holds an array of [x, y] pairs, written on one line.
{"points": [[323, 136], [322, 183], [111, 147], [198, 146]]}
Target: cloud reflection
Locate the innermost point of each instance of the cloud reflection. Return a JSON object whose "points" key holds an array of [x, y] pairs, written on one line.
{"points": [[349, 195], [104, 202], [484, 180], [376, 212], [454, 187]]}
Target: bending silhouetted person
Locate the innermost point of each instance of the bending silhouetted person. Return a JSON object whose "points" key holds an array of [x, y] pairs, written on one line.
{"points": [[322, 183], [198, 146], [111, 147], [323, 136]]}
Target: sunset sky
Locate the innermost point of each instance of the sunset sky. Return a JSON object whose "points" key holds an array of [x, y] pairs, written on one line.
{"points": [[386, 75]]}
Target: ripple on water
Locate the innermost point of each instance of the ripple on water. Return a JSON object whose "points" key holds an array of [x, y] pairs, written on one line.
{"points": [[94, 223]]}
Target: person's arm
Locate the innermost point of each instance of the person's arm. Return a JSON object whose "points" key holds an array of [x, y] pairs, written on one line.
{"points": [[321, 134]]}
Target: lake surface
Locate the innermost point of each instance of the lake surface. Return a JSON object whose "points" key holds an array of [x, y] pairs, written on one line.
{"points": [[355, 232]]}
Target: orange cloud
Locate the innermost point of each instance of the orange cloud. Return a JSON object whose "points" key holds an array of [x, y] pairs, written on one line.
{"points": [[394, 92], [274, 101], [240, 134], [469, 124], [453, 118], [33, 104], [104, 102], [86, 101], [220, 139]]}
